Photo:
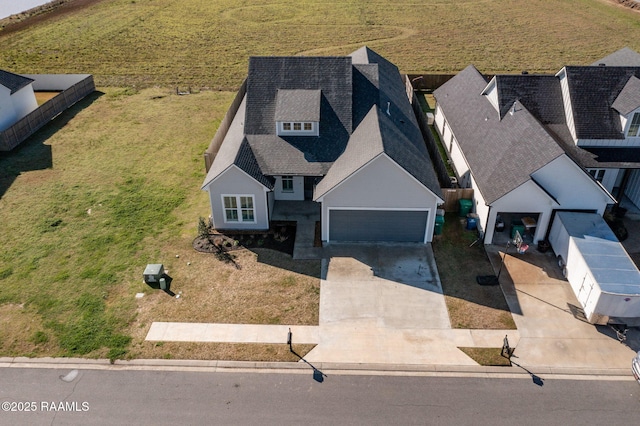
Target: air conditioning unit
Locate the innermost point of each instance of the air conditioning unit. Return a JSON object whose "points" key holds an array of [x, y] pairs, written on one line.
{"points": [[430, 118], [454, 181]]}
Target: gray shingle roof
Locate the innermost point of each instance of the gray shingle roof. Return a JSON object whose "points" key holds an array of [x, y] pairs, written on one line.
{"points": [[629, 98], [624, 57], [388, 125], [298, 105], [369, 94], [593, 90], [540, 94], [236, 151], [332, 76], [502, 154], [295, 155], [13, 82]]}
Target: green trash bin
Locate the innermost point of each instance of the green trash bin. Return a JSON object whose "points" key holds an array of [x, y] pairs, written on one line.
{"points": [[439, 225], [465, 207], [517, 225]]}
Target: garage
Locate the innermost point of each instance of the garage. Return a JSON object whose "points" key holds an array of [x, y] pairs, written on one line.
{"points": [[378, 225]]}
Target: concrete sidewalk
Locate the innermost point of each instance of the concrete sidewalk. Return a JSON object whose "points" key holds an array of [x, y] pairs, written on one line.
{"points": [[383, 305], [379, 304]]}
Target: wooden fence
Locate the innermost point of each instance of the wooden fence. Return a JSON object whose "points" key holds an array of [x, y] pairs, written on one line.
{"points": [[32, 122], [452, 195], [216, 142]]}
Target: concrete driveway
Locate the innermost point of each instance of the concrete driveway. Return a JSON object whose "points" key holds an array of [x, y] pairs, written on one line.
{"points": [[383, 303], [383, 285], [552, 331]]}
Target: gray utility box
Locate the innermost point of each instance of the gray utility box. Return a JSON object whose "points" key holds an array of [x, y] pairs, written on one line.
{"points": [[153, 272]]}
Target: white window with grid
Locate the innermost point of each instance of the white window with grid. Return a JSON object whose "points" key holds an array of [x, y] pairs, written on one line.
{"points": [[239, 208]]}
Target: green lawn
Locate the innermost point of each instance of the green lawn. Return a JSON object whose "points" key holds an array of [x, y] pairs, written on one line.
{"points": [[203, 43], [123, 184]]}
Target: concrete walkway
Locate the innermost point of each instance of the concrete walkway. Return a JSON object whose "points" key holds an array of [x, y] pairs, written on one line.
{"points": [[379, 304], [382, 304]]}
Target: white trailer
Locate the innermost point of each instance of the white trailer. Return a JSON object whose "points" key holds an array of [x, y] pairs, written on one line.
{"points": [[602, 275]]}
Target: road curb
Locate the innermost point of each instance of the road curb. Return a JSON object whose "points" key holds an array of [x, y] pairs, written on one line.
{"points": [[301, 367]]}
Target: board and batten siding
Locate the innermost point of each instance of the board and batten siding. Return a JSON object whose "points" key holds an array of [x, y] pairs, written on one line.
{"points": [[234, 181], [571, 186], [632, 190], [394, 189]]}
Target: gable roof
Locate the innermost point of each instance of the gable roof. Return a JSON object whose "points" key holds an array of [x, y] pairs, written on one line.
{"points": [[593, 91], [629, 98], [385, 124], [13, 82], [377, 135], [236, 151], [540, 94], [298, 105], [624, 57], [501, 153], [362, 91], [297, 76]]}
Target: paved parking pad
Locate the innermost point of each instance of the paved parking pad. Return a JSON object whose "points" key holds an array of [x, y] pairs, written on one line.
{"points": [[383, 285]]}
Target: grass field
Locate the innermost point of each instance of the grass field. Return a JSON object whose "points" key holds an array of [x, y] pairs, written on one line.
{"points": [[203, 43]]}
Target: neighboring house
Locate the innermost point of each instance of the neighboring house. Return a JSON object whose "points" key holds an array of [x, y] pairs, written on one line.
{"points": [[531, 145], [338, 131], [17, 98]]}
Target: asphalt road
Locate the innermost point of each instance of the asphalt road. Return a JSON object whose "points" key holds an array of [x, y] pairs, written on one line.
{"points": [[69, 397]]}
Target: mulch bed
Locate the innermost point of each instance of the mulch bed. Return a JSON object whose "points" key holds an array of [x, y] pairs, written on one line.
{"points": [[280, 237]]}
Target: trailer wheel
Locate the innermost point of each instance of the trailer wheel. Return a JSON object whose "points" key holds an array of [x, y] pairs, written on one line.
{"points": [[564, 272], [561, 263]]}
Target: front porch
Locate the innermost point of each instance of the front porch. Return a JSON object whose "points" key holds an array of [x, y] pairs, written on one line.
{"points": [[295, 210], [305, 214]]}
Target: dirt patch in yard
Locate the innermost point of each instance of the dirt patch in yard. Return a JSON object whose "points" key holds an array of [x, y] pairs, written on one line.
{"points": [[51, 10], [460, 260]]}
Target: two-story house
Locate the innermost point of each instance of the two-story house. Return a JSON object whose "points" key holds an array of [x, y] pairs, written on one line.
{"points": [[337, 131], [531, 145]]}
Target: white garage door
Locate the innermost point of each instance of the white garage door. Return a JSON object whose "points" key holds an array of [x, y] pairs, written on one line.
{"points": [[377, 225]]}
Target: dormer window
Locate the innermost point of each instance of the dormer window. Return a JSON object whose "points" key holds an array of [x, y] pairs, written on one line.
{"points": [[298, 112], [634, 127]]}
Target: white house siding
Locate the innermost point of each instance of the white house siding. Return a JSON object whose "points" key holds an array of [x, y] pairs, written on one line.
{"points": [[453, 150], [382, 185], [7, 111], [491, 93], [24, 101], [566, 100], [632, 190], [439, 119], [611, 178], [527, 198], [628, 142], [298, 189], [571, 186], [479, 205], [234, 181]]}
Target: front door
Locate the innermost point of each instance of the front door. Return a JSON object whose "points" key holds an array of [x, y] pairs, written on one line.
{"points": [[309, 184]]}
